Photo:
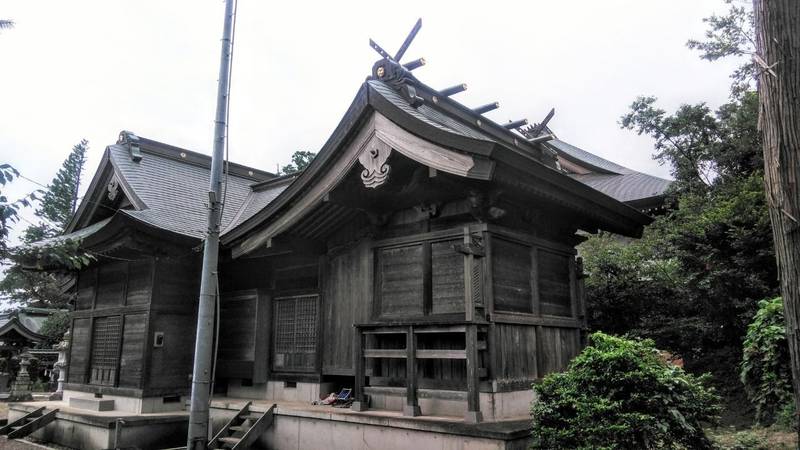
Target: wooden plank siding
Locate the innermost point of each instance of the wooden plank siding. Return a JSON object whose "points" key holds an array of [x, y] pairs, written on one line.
{"points": [[133, 343], [120, 305], [348, 295]]}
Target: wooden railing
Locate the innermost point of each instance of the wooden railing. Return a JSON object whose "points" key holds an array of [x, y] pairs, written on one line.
{"points": [[411, 354]]}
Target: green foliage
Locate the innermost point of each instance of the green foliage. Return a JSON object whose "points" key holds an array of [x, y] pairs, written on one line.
{"points": [[9, 210], [701, 147], [300, 160], [786, 419], [60, 199], [56, 207], [693, 282], [765, 369], [731, 35], [620, 394], [54, 327]]}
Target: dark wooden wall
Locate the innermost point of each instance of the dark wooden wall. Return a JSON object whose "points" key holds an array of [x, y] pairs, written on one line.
{"points": [[130, 300], [347, 300]]}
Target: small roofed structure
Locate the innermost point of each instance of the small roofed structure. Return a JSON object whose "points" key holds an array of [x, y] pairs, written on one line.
{"points": [[20, 328]]}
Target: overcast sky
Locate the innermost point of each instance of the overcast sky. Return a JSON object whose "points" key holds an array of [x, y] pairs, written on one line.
{"points": [[88, 69]]}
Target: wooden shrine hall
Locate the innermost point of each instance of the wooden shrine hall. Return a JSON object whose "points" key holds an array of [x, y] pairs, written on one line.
{"points": [[425, 259]]}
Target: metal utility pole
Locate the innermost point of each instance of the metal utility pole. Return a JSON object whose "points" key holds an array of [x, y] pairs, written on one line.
{"points": [[203, 351]]}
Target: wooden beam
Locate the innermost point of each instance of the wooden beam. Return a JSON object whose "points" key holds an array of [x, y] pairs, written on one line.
{"points": [[452, 90], [442, 354], [384, 353], [473, 414], [412, 405], [359, 403]]}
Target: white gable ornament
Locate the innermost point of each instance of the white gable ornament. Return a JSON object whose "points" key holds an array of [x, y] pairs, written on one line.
{"points": [[373, 158]]}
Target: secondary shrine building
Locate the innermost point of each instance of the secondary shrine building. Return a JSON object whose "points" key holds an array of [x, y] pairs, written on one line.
{"points": [[426, 259]]}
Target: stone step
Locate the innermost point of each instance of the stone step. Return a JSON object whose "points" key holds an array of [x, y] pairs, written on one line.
{"points": [[229, 441]]}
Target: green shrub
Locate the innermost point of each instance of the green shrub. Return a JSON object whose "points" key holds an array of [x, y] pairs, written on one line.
{"points": [[746, 440], [786, 418], [765, 370], [620, 394]]}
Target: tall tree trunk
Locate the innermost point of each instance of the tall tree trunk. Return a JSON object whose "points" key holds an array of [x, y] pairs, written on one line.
{"points": [[778, 51]]}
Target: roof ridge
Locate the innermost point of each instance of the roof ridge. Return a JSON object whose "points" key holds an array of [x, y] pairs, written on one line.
{"points": [[136, 143]]}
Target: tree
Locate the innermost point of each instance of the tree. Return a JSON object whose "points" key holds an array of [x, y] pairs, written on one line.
{"points": [[54, 327], [701, 147], [777, 24], [300, 160], [728, 35], [9, 210], [60, 200], [56, 207]]}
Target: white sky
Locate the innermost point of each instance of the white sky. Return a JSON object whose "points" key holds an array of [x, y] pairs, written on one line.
{"points": [[88, 69]]}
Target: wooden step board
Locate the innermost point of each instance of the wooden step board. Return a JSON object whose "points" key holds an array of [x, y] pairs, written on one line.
{"points": [[243, 429], [28, 423]]}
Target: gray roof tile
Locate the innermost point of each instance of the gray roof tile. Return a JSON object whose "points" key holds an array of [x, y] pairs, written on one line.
{"points": [[175, 192]]}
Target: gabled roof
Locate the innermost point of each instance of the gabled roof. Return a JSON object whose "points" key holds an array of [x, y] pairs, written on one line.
{"points": [[447, 126], [26, 322], [166, 187]]}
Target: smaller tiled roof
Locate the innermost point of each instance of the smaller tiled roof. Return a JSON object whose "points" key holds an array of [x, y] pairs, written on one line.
{"points": [[614, 180], [26, 321], [259, 197]]}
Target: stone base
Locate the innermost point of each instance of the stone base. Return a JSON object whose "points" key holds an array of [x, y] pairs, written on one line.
{"points": [[473, 417], [91, 404], [412, 411], [131, 405], [358, 406], [94, 430]]}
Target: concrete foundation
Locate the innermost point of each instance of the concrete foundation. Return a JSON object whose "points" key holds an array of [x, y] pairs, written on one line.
{"points": [[92, 404], [134, 405], [94, 430], [280, 391], [306, 427], [494, 405]]}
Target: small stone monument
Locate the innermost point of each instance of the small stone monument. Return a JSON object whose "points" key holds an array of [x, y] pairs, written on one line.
{"points": [[21, 386]]}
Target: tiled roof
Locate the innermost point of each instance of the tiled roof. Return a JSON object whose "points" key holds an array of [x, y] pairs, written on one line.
{"points": [[619, 182], [259, 197], [628, 187], [175, 192]]}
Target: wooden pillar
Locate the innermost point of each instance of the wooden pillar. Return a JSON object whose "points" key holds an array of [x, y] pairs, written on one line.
{"points": [[473, 414], [360, 402], [412, 405]]}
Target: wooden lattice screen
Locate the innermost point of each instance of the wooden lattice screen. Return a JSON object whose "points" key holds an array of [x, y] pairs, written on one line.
{"points": [[295, 332], [105, 350]]}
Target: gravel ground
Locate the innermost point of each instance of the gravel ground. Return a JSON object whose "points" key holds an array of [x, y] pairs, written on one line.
{"points": [[18, 445]]}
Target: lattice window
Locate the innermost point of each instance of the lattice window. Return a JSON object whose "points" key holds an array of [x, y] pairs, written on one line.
{"points": [[295, 332], [105, 350]]}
